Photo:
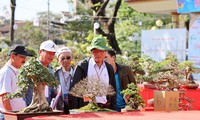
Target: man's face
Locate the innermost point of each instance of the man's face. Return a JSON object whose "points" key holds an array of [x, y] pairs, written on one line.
{"points": [[98, 55], [46, 56], [65, 59], [109, 59], [18, 60]]}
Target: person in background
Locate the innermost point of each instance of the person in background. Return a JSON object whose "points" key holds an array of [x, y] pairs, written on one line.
{"points": [[46, 56], [64, 74], [8, 80], [123, 76], [95, 66]]}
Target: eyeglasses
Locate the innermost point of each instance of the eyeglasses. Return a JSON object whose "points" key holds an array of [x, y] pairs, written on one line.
{"points": [[67, 58]]}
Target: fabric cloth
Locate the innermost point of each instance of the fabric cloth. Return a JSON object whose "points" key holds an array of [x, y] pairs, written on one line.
{"points": [[8, 80], [65, 85], [99, 73], [81, 71]]}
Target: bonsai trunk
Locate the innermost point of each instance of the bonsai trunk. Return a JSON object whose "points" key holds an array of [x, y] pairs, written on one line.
{"points": [[39, 102], [94, 100]]}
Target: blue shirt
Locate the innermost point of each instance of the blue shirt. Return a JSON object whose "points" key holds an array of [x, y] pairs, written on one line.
{"points": [[120, 103]]}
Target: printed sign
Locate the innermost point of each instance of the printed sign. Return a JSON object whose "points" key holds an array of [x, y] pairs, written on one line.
{"points": [[194, 41], [157, 43]]}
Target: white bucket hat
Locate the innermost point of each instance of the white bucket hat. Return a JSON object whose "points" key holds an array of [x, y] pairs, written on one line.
{"points": [[62, 50], [48, 45]]}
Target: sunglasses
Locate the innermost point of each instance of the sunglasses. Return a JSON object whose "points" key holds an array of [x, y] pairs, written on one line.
{"points": [[67, 58]]}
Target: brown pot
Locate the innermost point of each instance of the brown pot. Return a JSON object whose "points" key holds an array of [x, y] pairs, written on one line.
{"points": [[21, 116]]}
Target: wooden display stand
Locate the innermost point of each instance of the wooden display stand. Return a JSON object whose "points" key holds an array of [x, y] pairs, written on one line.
{"points": [[22, 116]]}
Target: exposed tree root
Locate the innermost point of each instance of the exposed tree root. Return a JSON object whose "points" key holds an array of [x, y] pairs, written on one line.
{"points": [[39, 102]]}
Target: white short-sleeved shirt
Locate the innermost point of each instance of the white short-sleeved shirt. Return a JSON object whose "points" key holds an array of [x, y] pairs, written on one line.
{"points": [[8, 80]]}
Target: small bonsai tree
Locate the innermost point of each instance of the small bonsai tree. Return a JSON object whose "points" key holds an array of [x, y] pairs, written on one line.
{"points": [[132, 97], [34, 74], [90, 88]]}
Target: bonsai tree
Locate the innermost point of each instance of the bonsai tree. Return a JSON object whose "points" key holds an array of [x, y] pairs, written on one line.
{"points": [[90, 89], [34, 74], [132, 97], [165, 74]]}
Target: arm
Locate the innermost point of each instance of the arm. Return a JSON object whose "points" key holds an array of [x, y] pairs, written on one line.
{"points": [[131, 77], [6, 102]]}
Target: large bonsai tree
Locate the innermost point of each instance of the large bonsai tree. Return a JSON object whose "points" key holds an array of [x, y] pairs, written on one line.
{"points": [[90, 88], [34, 74]]}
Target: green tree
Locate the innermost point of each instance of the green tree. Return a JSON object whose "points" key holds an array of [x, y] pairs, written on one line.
{"points": [[31, 36], [128, 23], [107, 21]]}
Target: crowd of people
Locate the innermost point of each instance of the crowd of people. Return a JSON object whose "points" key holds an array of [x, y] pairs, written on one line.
{"points": [[102, 65]]}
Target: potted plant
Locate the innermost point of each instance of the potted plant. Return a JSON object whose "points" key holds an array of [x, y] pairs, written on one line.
{"points": [[90, 89], [132, 98], [34, 74]]}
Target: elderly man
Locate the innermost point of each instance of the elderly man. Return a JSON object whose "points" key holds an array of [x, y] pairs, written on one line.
{"points": [[95, 66], [47, 53], [123, 76], [8, 79], [64, 74]]}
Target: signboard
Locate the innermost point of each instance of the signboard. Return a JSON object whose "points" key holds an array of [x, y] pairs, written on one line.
{"points": [[194, 44], [187, 6], [194, 41], [157, 43]]}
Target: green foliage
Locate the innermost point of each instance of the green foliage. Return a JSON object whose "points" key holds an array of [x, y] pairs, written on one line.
{"points": [[94, 108], [55, 63], [33, 73], [32, 51], [132, 96], [78, 30], [127, 24], [134, 62], [31, 36], [4, 57], [187, 65], [84, 9], [167, 65]]}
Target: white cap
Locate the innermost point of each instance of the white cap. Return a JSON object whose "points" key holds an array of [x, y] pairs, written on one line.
{"points": [[48, 46], [62, 50]]}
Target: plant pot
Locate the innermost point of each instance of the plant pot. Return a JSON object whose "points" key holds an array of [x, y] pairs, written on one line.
{"points": [[13, 115]]}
